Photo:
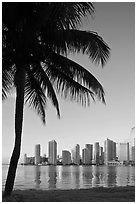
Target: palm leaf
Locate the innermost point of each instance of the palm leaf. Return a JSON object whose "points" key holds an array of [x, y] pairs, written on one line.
{"points": [[67, 15], [74, 71], [35, 95], [86, 42], [46, 85], [67, 86]]}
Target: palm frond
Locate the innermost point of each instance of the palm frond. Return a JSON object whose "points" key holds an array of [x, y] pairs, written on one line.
{"points": [[7, 82], [35, 95], [86, 42], [67, 86], [77, 73], [68, 15], [46, 85]]}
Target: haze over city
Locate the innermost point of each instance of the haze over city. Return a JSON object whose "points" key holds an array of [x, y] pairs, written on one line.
{"points": [[82, 125]]}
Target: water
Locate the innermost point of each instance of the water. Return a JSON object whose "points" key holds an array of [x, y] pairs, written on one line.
{"points": [[70, 177]]}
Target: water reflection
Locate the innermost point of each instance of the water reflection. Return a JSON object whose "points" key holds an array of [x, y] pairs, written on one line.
{"points": [[65, 175], [111, 176], [68, 177], [76, 176], [52, 177], [37, 176], [87, 175]]}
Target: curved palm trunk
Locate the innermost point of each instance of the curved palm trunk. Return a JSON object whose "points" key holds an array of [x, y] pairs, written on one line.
{"points": [[20, 83]]}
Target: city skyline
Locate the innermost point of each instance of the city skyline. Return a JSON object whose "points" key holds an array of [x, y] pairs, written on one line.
{"points": [[111, 153], [85, 146], [84, 125]]}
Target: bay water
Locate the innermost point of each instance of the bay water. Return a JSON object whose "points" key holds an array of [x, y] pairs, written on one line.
{"points": [[70, 177]]}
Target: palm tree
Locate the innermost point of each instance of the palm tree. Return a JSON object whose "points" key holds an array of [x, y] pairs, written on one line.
{"points": [[37, 38]]}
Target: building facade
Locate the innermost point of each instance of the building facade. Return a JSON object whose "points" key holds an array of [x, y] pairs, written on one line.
{"points": [[37, 154], [86, 156], [76, 155], [123, 152], [109, 151], [133, 153], [66, 157], [96, 153], [52, 158], [90, 149]]}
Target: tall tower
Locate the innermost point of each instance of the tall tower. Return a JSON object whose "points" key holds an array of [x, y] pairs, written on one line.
{"points": [[109, 151], [90, 149], [37, 154], [85, 156], [25, 158], [76, 155], [123, 152], [96, 152], [53, 152]]}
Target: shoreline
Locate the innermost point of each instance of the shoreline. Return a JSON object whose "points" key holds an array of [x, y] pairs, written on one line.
{"points": [[95, 194]]}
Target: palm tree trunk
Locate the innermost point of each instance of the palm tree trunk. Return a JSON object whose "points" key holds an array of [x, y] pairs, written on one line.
{"points": [[20, 83]]}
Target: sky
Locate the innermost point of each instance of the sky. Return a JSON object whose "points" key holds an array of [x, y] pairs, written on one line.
{"points": [[115, 23]]}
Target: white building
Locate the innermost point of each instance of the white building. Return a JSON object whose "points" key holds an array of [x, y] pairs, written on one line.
{"points": [[123, 151], [52, 152], [66, 157], [37, 154]]}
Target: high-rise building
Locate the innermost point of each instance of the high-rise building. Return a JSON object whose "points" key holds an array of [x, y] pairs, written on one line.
{"points": [[123, 152], [66, 157], [52, 152], [109, 151], [37, 154], [96, 152], [25, 158], [76, 155], [101, 155], [133, 153], [86, 156], [90, 149]]}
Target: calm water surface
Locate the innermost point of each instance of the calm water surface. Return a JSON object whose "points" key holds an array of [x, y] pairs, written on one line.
{"points": [[70, 177]]}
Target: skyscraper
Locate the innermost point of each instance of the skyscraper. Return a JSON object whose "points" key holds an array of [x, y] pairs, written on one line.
{"points": [[86, 156], [76, 155], [52, 152], [90, 149], [66, 157], [96, 152], [37, 154], [123, 152], [109, 151], [25, 158], [133, 154]]}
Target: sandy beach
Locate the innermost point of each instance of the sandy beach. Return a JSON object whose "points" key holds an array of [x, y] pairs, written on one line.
{"points": [[100, 194]]}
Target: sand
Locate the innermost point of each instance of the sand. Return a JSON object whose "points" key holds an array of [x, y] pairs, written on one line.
{"points": [[99, 194]]}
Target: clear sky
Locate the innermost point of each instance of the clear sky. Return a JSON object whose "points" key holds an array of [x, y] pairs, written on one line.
{"points": [[79, 125]]}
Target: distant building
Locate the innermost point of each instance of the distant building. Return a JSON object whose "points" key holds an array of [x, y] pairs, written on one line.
{"points": [[52, 152], [86, 156], [76, 155], [66, 157], [37, 154], [90, 149], [109, 151], [101, 156], [96, 153], [133, 153], [28, 160], [25, 158], [123, 152]]}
